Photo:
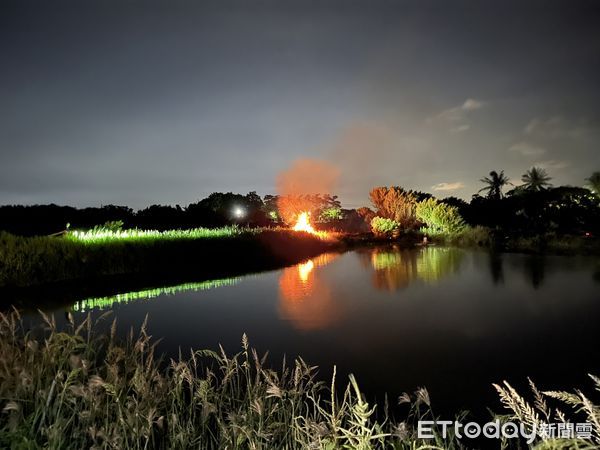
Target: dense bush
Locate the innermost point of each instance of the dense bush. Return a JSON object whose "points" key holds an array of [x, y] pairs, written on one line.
{"points": [[439, 218], [331, 213], [381, 225], [470, 237]]}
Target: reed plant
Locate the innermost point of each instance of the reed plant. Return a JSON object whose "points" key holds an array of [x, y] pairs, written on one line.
{"points": [[76, 388], [80, 388], [554, 407]]}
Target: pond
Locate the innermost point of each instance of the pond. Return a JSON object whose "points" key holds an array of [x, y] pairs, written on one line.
{"points": [[449, 319]]}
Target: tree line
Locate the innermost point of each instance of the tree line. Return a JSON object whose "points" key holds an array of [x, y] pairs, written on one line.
{"points": [[533, 207], [217, 210]]}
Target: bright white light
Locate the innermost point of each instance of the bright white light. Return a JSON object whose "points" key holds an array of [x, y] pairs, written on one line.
{"points": [[239, 212]]}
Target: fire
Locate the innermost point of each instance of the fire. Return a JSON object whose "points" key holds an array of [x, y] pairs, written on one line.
{"points": [[303, 223]]}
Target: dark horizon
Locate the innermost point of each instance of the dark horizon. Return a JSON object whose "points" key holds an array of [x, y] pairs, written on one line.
{"points": [[139, 104]]}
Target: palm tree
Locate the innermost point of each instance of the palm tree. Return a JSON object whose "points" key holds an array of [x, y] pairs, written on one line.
{"points": [[494, 184], [594, 183], [535, 179]]}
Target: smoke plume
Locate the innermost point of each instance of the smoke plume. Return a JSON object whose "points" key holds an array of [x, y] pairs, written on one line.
{"points": [[301, 187], [308, 176]]}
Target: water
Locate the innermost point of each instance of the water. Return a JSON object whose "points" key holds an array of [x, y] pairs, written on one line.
{"points": [[451, 320]]}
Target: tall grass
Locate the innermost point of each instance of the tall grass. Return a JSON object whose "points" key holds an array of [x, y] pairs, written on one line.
{"points": [[479, 236], [554, 243], [468, 237], [77, 388], [103, 236], [567, 408]]}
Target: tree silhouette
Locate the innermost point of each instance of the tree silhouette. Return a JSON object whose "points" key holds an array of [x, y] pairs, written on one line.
{"points": [[535, 179], [494, 184]]}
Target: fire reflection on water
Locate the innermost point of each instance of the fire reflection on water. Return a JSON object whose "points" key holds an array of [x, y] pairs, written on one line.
{"points": [[305, 299], [305, 269]]}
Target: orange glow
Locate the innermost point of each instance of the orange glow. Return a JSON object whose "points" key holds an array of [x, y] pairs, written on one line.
{"points": [[305, 297], [305, 269], [324, 258], [303, 223]]}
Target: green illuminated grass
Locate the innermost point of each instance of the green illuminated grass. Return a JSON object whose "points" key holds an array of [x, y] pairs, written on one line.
{"points": [[181, 254], [135, 235], [146, 294]]}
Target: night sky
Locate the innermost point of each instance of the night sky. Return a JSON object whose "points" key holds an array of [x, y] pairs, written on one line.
{"points": [[138, 102]]}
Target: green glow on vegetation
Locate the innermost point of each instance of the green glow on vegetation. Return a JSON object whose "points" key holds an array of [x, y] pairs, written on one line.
{"points": [[146, 294], [98, 236], [396, 269], [436, 263], [439, 218], [381, 225], [386, 260]]}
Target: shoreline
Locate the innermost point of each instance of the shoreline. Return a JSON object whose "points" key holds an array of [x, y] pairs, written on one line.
{"points": [[45, 261], [112, 267]]}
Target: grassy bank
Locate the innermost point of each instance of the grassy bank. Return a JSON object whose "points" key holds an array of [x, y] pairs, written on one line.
{"points": [[78, 389], [552, 243], [26, 261]]}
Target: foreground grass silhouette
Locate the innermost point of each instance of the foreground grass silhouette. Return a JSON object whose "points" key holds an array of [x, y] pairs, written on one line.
{"points": [[82, 389]]}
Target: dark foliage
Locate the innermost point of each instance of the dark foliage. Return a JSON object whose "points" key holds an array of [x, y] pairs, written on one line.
{"points": [[214, 211], [563, 210], [217, 210]]}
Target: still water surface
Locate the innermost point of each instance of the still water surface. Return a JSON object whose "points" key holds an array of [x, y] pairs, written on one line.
{"points": [[452, 320]]}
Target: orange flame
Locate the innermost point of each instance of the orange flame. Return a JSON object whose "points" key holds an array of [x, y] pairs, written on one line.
{"points": [[303, 223]]}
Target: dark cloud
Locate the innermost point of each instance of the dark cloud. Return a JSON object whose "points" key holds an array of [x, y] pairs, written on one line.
{"points": [[149, 102]]}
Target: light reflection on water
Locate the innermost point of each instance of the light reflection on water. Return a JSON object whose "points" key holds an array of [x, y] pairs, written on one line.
{"points": [[106, 302], [305, 297], [449, 319], [395, 268]]}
